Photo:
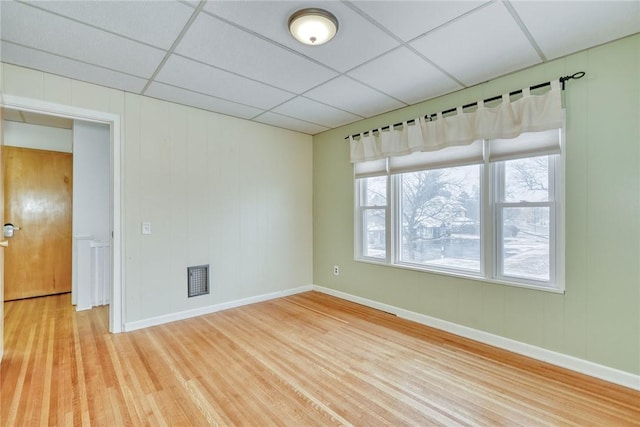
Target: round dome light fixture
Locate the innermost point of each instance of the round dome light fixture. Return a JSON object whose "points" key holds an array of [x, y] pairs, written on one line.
{"points": [[313, 26]]}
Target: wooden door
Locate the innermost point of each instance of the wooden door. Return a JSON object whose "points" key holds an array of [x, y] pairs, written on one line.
{"points": [[37, 198], [1, 237]]}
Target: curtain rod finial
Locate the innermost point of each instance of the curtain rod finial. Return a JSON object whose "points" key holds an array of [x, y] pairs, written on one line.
{"points": [[578, 75]]}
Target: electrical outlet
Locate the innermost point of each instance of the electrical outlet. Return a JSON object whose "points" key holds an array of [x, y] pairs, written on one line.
{"points": [[336, 270]]}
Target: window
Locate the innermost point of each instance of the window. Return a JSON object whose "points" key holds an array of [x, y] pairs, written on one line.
{"points": [[525, 214], [373, 208], [497, 218], [439, 218]]}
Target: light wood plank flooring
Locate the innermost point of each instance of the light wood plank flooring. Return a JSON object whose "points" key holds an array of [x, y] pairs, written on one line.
{"points": [[305, 360]]}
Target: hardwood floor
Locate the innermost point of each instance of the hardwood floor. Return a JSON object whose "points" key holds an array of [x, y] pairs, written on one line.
{"points": [[309, 359]]}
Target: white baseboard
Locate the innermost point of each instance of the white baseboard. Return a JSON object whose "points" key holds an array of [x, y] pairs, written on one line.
{"points": [[181, 315], [586, 367]]}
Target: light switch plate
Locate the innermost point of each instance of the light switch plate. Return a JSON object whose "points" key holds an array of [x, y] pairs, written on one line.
{"points": [[146, 228]]}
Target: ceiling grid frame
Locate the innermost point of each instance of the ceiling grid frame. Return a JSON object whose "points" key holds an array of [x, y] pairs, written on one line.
{"points": [[320, 87]]}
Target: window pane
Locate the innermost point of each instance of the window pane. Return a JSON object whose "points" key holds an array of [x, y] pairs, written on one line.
{"points": [[374, 191], [374, 233], [440, 214], [527, 179], [525, 242]]}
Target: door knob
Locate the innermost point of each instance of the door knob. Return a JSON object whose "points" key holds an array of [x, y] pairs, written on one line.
{"points": [[9, 229], [4, 243]]}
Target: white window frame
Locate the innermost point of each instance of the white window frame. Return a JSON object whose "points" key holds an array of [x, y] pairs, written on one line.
{"points": [[397, 229], [490, 232], [498, 203], [360, 231]]}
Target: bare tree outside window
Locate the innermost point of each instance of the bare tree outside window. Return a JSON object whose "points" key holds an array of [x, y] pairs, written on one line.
{"points": [[440, 217], [527, 179], [526, 219]]}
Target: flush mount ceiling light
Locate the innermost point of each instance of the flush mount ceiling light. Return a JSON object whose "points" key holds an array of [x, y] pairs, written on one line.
{"points": [[313, 26]]}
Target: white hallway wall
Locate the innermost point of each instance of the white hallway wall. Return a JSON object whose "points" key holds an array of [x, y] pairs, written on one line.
{"points": [[91, 206], [218, 190], [91, 180], [37, 137]]}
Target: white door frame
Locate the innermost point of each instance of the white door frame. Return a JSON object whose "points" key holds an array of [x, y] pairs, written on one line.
{"points": [[116, 306]]}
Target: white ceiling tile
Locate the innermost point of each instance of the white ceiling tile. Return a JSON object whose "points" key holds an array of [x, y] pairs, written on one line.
{"points": [[185, 97], [561, 28], [289, 123], [410, 19], [357, 40], [315, 112], [64, 37], [182, 72], [350, 95], [53, 64], [155, 22], [482, 45], [214, 42], [412, 79]]}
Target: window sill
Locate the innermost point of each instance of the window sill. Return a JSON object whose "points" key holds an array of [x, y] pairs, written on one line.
{"points": [[460, 275]]}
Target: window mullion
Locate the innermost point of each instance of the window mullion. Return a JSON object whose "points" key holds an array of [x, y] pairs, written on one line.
{"points": [[358, 219], [551, 178], [391, 220], [487, 236]]}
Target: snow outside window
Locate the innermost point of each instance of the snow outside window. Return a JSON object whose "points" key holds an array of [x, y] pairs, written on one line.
{"points": [[497, 220]]}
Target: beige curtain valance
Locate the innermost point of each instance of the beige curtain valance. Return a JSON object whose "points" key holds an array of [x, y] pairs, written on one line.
{"points": [[506, 121]]}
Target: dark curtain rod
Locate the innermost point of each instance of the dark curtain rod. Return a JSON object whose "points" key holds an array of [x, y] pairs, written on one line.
{"points": [[578, 75]]}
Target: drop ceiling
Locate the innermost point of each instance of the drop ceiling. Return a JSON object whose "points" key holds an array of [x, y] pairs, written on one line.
{"points": [[237, 57]]}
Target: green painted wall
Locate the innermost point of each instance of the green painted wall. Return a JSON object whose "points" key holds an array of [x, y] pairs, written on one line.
{"points": [[598, 319]]}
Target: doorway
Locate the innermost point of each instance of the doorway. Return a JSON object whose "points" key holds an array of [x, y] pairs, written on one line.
{"points": [[113, 121]]}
